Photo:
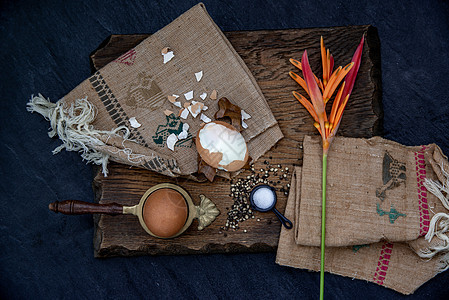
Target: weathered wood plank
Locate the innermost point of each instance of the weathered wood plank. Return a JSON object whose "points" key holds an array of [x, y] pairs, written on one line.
{"points": [[266, 54]]}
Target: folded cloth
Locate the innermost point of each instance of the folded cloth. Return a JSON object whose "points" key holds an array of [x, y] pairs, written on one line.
{"points": [[392, 265], [437, 238], [375, 192], [120, 112]]}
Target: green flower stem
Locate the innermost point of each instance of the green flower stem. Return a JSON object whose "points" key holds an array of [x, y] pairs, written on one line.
{"points": [[323, 225]]}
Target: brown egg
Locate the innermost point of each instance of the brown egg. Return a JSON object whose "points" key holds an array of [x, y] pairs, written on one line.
{"points": [[222, 146], [165, 212]]}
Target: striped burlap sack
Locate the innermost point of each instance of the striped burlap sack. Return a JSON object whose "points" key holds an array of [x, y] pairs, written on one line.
{"points": [[375, 192], [127, 110], [392, 265]]}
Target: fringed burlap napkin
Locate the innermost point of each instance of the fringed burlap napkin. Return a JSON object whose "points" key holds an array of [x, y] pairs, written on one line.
{"points": [[375, 192], [118, 113], [392, 265]]}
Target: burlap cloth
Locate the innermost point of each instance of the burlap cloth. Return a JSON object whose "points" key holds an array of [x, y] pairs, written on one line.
{"points": [[392, 265], [376, 229], [94, 117], [375, 191]]}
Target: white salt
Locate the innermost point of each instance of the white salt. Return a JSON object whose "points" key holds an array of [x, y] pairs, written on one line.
{"points": [[263, 198]]}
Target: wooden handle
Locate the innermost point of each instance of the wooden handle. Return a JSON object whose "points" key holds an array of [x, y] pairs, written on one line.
{"points": [[75, 207]]}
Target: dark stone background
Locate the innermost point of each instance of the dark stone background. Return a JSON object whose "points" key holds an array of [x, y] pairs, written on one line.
{"points": [[44, 47]]}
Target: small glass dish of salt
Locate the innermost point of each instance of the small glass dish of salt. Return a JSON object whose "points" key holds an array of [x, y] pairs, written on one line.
{"points": [[263, 198]]}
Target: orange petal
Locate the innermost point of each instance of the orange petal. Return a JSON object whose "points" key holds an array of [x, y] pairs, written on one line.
{"points": [[296, 63], [317, 126], [299, 80], [340, 111], [335, 105], [328, 70], [320, 84], [306, 103], [326, 95], [323, 60], [330, 88]]}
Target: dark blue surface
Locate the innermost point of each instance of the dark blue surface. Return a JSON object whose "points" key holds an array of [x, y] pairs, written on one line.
{"points": [[44, 47]]}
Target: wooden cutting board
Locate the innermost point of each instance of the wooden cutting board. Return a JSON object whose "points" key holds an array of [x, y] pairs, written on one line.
{"points": [[266, 54]]}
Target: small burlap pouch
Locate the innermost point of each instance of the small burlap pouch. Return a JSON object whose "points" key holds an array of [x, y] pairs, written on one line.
{"points": [[97, 117], [392, 265], [375, 192]]}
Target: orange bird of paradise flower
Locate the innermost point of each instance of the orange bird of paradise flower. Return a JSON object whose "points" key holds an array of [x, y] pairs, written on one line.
{"points": [[320, 91]]}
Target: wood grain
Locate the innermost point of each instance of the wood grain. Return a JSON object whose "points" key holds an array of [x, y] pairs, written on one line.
{"points": [[266, 54], [76, 207]]}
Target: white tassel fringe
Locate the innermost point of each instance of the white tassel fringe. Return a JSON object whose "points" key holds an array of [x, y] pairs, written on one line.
{"points": [[439, 225], [73, 125]]}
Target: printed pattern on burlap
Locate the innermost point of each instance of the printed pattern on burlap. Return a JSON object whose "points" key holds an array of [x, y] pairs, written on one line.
{"points": [[113, 107], [174, 125], [127, 58], [160, 165], [393, 174]]}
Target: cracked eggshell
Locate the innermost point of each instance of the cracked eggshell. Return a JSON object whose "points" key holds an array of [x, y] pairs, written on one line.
{"points": [[134, 123], [222, 146]]}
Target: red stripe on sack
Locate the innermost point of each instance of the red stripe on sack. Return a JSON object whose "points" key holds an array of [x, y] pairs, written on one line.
{"points": [[424, 217], [383, 263]]}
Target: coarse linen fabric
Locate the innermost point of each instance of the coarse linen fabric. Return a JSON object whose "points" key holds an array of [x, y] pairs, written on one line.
{"points": [[392, 265], [375, 192], [137, 84]]}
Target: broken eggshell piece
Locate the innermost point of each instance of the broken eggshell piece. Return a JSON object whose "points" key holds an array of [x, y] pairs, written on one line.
{"points": [[221, 146], [134, 123]]}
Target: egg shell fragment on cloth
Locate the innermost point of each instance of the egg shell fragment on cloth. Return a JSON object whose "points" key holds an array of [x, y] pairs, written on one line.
{"points": [[213, 95], [172, 98], [203, 96], [171, 141], [185, 131], [199, 75], [195, 108], [168, 56], [173, 101], [184, 113], [183, 135], [189, 95], [221, 146], [165, 50], [167, 112], [134, 123], [205, 118], [245, 115]]}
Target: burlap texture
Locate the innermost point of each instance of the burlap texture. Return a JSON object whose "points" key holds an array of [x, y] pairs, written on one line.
{"points": [[392, 265], [375, 192], [137, 85]]}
